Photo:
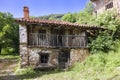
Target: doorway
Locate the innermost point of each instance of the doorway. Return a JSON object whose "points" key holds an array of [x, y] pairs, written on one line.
{"points": [[64, 59]]}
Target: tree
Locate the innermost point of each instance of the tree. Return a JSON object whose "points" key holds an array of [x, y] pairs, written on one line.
{"points": [[89, 8], [106, 40], [8, 33], [69, 17], [51, 16], [85, 16]]}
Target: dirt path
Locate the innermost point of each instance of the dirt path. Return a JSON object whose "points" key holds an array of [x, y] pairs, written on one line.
{"points": [[7, 67]]}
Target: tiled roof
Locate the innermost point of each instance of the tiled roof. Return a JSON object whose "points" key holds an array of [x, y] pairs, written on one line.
{"points": [[55, 22]]}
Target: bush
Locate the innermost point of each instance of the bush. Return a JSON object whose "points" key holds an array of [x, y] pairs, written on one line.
{"points": [[99, 66], [7, 51], [105, 40], [28, 70]]}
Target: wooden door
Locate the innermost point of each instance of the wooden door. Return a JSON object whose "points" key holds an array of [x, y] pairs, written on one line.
{"points": [[64, 57]]}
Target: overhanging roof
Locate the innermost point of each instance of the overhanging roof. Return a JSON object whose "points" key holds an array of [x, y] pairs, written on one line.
{"points": [[56, 23]]}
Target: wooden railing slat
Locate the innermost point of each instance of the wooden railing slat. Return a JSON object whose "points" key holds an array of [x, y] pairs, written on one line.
{"points": [[52, 40]]}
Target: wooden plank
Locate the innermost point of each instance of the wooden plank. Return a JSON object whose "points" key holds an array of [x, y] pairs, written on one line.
{"points": [[47, 40]]}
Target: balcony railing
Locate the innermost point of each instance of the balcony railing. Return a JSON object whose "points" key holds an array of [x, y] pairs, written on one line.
{"points": [[56, 41]]}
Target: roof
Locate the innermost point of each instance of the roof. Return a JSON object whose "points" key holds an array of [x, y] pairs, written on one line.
{"points": [[56, 23]]}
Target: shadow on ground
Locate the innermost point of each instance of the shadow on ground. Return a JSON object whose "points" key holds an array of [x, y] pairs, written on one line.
{"points": [[27, 76]]}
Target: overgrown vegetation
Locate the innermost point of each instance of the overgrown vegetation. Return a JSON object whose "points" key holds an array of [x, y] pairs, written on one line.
{"points": [[100, 40], [99, 66], [9, 41], [108, 39], [9, 56]]}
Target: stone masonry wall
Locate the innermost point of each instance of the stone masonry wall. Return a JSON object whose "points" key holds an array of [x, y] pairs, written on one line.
{"points": [[34, 57], [78, 55], [100, 5], [23, 46], [23, 56]]}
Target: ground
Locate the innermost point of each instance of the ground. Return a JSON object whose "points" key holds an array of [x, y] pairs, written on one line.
{"points": [[8, 65]]}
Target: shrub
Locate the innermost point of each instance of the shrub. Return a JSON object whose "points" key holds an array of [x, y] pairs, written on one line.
{"points": [[105, 40], [27, 70]]}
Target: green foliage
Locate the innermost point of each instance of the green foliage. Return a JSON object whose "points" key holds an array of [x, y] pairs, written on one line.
{"points": [[81, 17], [28, 70], [8, 33], [100, 66], [107, 19], [9, 56], [89, 8], [105, 40], [69, 17], [51, 17], [84, 17]]}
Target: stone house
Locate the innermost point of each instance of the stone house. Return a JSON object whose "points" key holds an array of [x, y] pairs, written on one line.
{"points": [[51, 43], [102, 5]]}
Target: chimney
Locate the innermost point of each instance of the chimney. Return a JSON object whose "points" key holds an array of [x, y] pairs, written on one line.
{"points": [[26, 12]]}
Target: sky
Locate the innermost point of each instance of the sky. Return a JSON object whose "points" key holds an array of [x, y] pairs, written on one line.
{"points": [[41, 7]]}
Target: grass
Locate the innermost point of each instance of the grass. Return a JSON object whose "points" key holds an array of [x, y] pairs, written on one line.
{"points": [[9, 56], [100, 66], [7, 62]]}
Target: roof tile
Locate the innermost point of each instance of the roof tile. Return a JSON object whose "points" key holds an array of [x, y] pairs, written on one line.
{"points": [[56, 22]]}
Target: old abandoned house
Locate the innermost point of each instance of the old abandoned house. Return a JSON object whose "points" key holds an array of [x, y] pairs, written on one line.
{"points": [[101, 5], [51, 43]]}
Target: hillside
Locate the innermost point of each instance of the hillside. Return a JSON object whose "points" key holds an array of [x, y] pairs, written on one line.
{"points": [[51, 17], [100, 66]]}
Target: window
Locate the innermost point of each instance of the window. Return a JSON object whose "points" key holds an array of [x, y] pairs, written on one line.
{"points": [[108, 6], [44, 58]]}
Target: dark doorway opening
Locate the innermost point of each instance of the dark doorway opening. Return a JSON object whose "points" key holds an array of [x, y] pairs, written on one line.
{"points": [[64, 59]]}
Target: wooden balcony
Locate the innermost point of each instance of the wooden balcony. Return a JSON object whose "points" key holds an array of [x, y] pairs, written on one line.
{"points": [[56, 41]]}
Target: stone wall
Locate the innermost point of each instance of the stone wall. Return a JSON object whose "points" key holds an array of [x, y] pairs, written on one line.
{"points": [[117, 5], [78, 55], [23, 34], [34, 57], [23, 46], [100, 5], [31, 56], [23, 56]]}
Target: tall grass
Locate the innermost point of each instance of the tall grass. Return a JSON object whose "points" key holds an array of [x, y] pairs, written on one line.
{"points": [[9, 56], [100, 66]]}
